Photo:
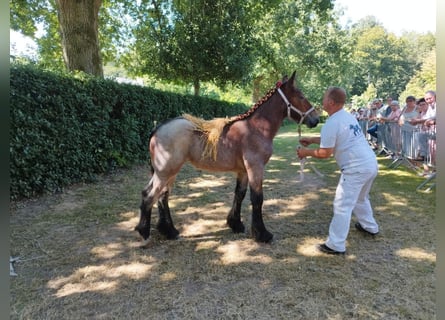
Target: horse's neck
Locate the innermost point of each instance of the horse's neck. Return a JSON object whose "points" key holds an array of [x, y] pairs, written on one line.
{"points": [[267, 119]]}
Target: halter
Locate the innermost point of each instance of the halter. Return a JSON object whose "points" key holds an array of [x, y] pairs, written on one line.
{"points": [[291, 106], [302, 116]]}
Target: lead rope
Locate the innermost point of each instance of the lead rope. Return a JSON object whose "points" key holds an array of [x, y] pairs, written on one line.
{"points": [[304, 160]]}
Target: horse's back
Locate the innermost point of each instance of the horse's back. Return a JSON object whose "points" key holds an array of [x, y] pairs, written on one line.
{"points": [[170, 144], [183, 140]]}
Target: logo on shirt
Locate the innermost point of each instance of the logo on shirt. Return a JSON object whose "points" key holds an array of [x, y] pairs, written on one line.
{"points": [[356, 128]]}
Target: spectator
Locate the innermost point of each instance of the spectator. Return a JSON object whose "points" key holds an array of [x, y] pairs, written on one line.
{"points": [[427, 121], [430, 114], [387, 106], [374, 121], [394, 115], [410, 111], [341, 136], [391, 132], [362, 114], [355, 113], [430, 98]]}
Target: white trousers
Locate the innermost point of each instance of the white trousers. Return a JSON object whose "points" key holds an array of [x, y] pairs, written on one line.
{"points": [[351, 196]]}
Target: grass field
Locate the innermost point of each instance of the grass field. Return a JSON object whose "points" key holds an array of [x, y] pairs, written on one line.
{"points": [[81, 259]]}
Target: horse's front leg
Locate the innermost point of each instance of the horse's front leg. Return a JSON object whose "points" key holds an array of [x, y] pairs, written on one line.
{"points": [[165, 224], [234, 217], [259, 231]]}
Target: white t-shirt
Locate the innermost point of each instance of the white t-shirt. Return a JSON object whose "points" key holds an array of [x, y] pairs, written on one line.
{"points": [[431, 112], [351, 150]]}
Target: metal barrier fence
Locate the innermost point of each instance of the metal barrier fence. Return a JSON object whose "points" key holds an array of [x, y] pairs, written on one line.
{"points": [[409, 144]]}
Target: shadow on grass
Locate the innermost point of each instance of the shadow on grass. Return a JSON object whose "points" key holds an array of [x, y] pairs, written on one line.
{"points": [[82, 259]]}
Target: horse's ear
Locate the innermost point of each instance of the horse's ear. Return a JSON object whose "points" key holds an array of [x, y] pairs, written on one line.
{"points": [[284, 79], [292, 78]]}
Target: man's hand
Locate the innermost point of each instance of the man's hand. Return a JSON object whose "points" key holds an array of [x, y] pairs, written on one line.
{"points": [[301, 152], [305, 141]]}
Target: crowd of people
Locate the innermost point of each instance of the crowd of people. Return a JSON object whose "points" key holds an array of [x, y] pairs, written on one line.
{"points": [[410, 129]]}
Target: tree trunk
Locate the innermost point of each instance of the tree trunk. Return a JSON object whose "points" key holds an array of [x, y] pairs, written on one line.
{"points": [[78, 22], [196, 87], [256, 89]]}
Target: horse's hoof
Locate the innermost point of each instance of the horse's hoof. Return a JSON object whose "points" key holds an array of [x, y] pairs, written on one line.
{"points": [[236, 226], [143, 231], [168, 231], [172, 234], [146, 243], [265, 236]]}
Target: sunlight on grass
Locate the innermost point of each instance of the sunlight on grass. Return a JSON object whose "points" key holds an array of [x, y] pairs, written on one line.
{"points": [[201, 227], [236, 252], [207, 245], [108, 251], [286, 135], [207, 183], [168, 276], [130, 223], [416, 254], [76, 288], [97, 278], [309, 248]]}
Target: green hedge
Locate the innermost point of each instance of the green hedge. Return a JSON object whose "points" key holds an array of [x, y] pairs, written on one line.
{"points": [[66, 129]]}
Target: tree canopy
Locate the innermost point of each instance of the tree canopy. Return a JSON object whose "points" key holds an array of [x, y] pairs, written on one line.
{"points": [[246, 43]]}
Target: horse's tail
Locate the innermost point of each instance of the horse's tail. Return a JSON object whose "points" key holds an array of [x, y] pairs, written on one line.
{"points": [[153, 131]]}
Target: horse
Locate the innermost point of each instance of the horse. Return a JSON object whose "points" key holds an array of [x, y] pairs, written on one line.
{"points": [[242, 144]]}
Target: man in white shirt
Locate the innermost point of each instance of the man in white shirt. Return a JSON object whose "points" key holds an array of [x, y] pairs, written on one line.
{"points": [[342, 137]]}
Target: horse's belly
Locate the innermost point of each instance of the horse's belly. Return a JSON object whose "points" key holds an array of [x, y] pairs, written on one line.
{"points": [[215, 165]]}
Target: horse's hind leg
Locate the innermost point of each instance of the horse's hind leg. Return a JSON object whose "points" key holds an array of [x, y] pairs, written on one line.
{"points": [[150, 194], [165, 224], [234, 217]]}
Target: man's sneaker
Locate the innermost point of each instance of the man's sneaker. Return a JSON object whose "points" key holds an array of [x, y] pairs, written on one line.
{"points": [[325, 249], [359, 227]]}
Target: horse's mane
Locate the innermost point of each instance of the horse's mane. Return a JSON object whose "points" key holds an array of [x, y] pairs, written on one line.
{"points": [[212, 129]]}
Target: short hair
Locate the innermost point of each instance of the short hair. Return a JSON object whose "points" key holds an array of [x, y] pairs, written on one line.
{"points": [[410, 98], [420, 100], [337, 94], [432, 92]]}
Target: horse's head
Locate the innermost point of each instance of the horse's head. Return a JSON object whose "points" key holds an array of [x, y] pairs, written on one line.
{"points": [[299, 108]]}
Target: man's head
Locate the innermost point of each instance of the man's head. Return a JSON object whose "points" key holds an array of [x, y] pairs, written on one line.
{"points": [[430, 97], [376, 103], [334, 99], [423, 105], [394, 105]]}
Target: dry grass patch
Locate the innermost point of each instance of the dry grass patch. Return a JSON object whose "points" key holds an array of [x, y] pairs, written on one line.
{"points": [[81, 258]]}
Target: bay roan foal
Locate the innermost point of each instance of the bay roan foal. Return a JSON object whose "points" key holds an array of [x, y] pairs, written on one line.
{"points": [[241, 144]]}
